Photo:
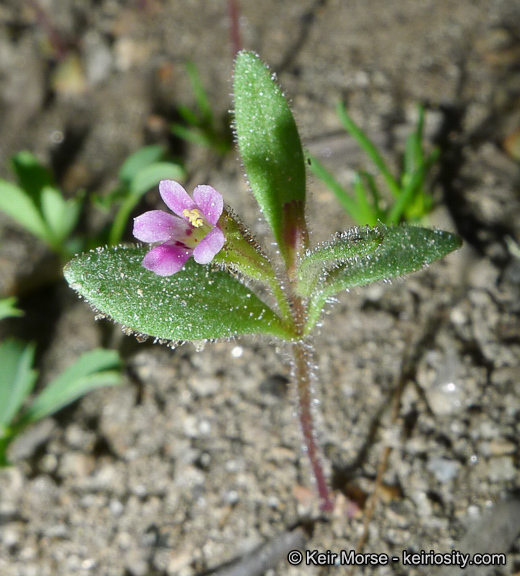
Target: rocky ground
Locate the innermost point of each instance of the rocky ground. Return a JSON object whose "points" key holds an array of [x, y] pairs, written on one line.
{"points": [[197, 459]]}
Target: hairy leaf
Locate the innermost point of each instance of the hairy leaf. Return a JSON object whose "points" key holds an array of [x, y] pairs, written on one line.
{"points": [[344, 247], [197, 303], [268, 141], [359, 257]]}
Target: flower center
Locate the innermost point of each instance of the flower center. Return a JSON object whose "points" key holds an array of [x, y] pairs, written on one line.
{"points": [[196, 228], [194, 217]]}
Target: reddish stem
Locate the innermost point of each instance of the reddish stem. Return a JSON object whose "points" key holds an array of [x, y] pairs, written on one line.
{"points": [[302, 354], [52, 34], [302, 360], [234, 26]]}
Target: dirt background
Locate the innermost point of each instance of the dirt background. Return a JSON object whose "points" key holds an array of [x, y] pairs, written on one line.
{"points": [[197, 459]]}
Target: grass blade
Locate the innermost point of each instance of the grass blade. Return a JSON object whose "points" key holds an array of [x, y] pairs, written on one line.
{"points": [[368, 148], [349, 204]]}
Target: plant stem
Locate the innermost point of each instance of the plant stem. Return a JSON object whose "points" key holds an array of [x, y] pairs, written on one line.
{"points": [[302, 354], [234, 26], [52, 34], [280, 297]]}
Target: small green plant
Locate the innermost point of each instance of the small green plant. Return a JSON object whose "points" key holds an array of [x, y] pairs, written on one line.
{"points": [[39, 206], [140, 172], [412, 202], [202, 126], [198, 281], [93, 369]]}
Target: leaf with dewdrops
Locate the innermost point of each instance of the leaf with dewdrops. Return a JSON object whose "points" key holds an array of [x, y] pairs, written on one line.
{"points": [[197, 303], [362, 256], [270, 149]]}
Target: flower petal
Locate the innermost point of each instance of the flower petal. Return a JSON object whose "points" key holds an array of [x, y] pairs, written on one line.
{"points": [[166, 259], [210, 245], [175, 197], [210, 202], [158, 226]]}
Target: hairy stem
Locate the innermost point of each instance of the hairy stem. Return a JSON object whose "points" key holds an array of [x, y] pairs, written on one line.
{"points": [[302, 354], [280, 297]]}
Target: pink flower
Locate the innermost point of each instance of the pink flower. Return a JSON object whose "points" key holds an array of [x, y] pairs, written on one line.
{"points": [[193, 231]]}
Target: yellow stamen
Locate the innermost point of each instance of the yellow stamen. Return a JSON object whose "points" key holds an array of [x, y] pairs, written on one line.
{"points": [[194, 216]]}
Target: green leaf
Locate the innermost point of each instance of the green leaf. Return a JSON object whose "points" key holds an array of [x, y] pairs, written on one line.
{"points": [[38, 205], [268, 141], [8, 308], [194, 135], [374, 192], [71, 214], [147, 178], [197, 303], [151, 175], [349, 204], [369, 149], [200, 93], [92, 370], [53, 211], [368, 212], [415, 183], [187, 115], [413, 153], [379, 253], [345, 246], [61, 216], [5, 439], [104, 202], [138, 160], [21, 208], [17, 378], [32, 176]]}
